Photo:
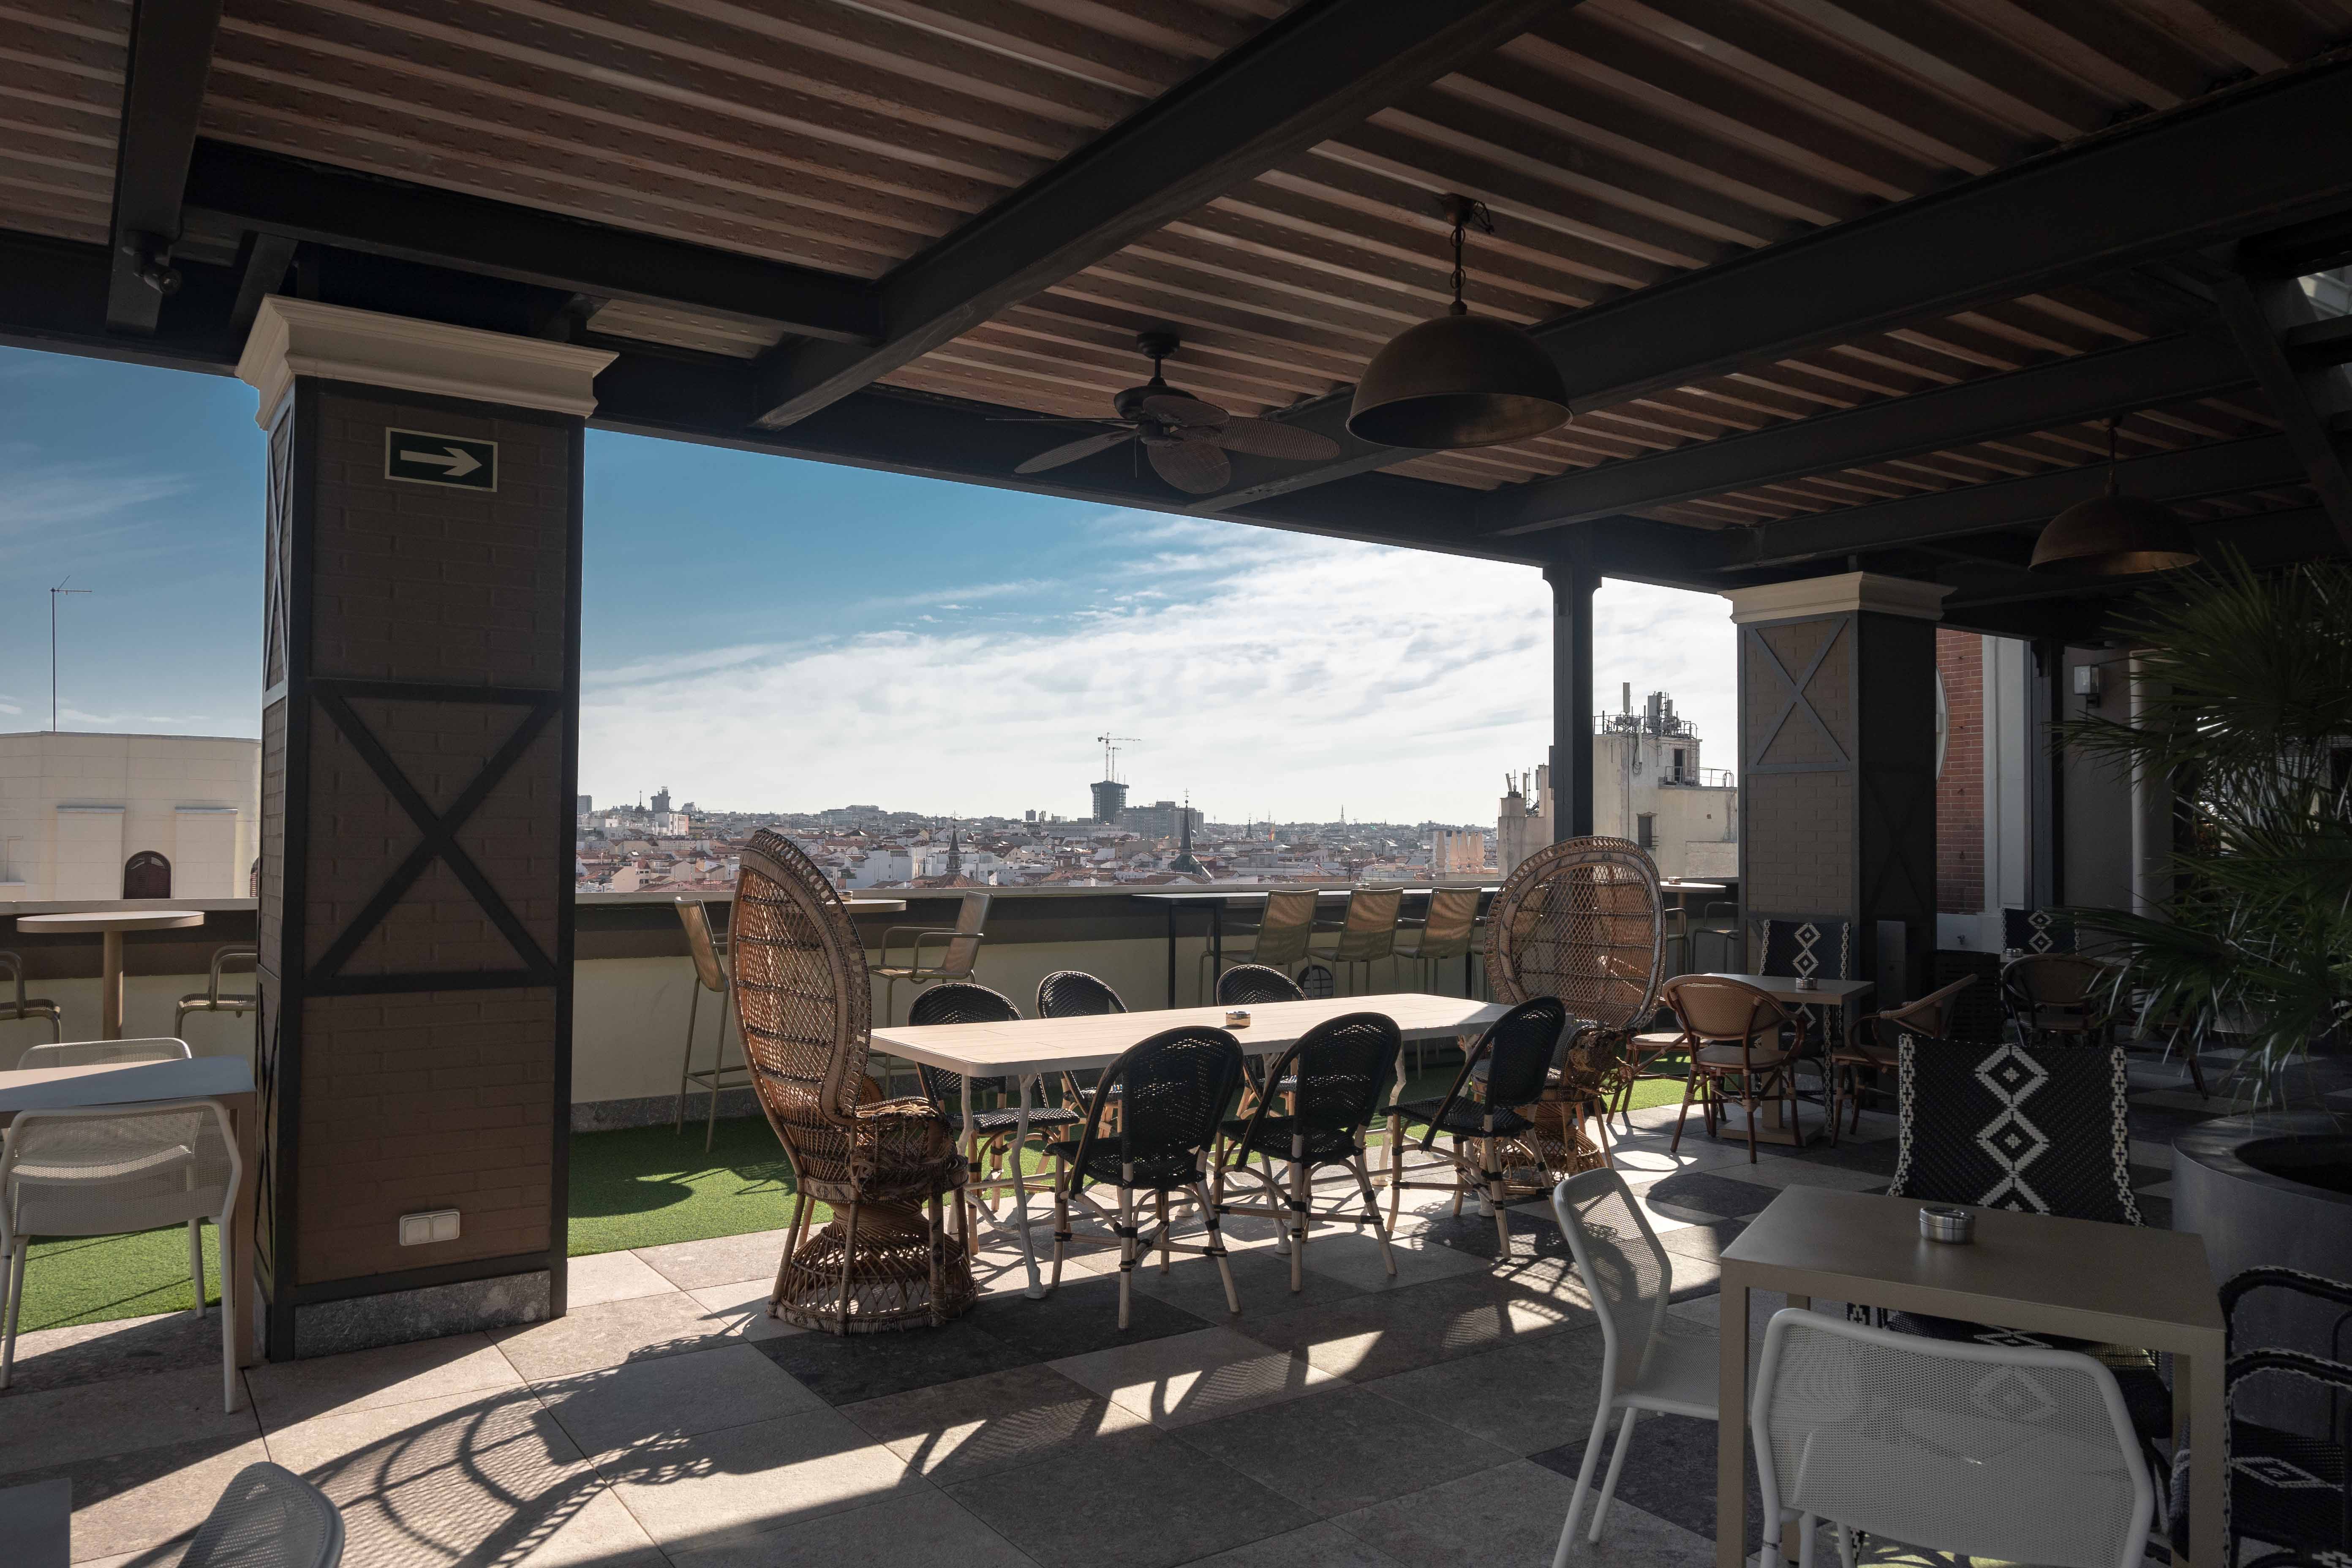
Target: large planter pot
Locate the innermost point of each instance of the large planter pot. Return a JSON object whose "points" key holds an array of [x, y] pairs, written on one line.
{"points": [[2275, 1190]]}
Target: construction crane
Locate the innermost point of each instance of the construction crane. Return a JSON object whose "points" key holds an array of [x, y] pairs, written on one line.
{"points": [[1109, 743]]}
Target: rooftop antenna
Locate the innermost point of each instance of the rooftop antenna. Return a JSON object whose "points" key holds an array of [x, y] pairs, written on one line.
{"points": [[54, 593]]}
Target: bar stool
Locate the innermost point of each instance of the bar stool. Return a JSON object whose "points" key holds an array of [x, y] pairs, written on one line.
{"points": [[23, 1007], [1369, 933], [211, 999], [956, 959], [710, 974]]}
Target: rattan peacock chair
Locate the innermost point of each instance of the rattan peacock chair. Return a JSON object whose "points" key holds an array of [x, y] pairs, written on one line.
{"points": [[802, 1004], [1582, 921]]}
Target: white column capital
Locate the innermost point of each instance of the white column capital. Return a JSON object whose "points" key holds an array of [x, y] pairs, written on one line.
{"points": [[1836, 595], [301, 337]]}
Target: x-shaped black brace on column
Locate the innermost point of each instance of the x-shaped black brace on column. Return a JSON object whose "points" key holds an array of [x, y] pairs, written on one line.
{"points": [[1795, 689], [439, 828]]}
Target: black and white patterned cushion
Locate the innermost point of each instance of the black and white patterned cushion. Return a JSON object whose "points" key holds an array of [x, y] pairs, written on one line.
{"points": [[1822, 949], [2041, 1129], [2037, 930]]}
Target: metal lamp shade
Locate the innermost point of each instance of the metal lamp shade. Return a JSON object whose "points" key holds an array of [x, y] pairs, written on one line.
{"points": [[2114, 535], [1458, 381]]}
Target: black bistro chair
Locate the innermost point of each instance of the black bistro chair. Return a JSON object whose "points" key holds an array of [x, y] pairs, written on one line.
{"points": [[1331, 1078], [1515, 1053], [963, 1002], [1074, 993], [1255, 985], [1172, 1091]]}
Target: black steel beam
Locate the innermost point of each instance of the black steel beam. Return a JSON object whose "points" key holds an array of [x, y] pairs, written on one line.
{"points": [[1314, 72], [2210, 171], [2141, 376], [2308, 400], [2222, 468], [54, 292], [239, 188], [170, 55]]}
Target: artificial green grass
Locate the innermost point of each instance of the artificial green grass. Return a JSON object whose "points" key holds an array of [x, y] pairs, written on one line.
{"points": [[646, 1187]]}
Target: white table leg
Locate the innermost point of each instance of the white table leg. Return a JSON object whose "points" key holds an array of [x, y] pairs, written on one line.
{"points": [[1037, 1291]]}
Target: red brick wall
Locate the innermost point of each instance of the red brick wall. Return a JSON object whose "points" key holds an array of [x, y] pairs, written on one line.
{"points": [[1959, 789]]}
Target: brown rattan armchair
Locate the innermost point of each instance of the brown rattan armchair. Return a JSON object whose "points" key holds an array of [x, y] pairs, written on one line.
{"points": [[1582, 921], [1871, 1046], [803, 1008], [1735, 1030]]}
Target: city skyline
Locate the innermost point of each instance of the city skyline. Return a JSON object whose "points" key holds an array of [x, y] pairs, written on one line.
{"points": [[763, 633]]}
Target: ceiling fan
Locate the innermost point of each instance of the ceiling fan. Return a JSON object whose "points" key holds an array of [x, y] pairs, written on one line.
{"points": [[1185, 437]]}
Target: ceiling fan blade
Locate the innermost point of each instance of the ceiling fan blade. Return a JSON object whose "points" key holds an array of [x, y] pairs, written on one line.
{"points": [[1175, 408], [1193, 465], [1266, 438], [1049, 419], [1086, 448]]}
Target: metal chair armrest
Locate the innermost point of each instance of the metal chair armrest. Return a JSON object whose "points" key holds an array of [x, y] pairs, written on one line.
{"points": [[915, 950]]}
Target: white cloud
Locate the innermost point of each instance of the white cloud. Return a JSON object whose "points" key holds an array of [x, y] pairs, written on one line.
{"points": [[1265, 672]]}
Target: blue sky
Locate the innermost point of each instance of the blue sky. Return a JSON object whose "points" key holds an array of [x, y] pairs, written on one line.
{"points": [[759, 633]]}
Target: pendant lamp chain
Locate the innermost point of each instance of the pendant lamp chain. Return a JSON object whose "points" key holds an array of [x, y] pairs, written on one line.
{"points": [[1465, 213]]}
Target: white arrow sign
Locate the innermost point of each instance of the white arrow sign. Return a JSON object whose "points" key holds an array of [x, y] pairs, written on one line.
{"points": [[456, 464]]}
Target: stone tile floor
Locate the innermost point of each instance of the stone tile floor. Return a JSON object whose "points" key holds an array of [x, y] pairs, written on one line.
{"points": [[1434, 1417]]}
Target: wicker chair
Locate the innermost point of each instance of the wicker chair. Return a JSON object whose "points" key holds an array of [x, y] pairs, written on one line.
{"points": [[1517, 1049], [1332, 1076], [1172, 1090], [1254, 985], [21, 1006], [803, 1008], [1733, 1030], [1872, 1046], [1368, 932], [1582, 921], [1280, 938], [211, 999], [1074, 993], [987, 1134]]}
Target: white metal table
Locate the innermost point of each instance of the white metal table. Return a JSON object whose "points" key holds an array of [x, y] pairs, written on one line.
{"points": [[1024, 1048], [110, 925]]}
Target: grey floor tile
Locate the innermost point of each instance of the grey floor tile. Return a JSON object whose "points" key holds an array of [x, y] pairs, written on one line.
{"points": [[1510, 1513], [288, 1392], [1187, 1378], [610, 1276], [1419, 1254], [1779, 1173], [1136, 1500], [1538, 1258], [921, 1527], [148, 1500], [955, 1431], [1398, 1331], [1669, 1473], [1336, 1450], [1709, 1195], [1261, 1279], [1635, 1538], [60, 1426], [1322, 1545], [1525, 1397], [743, 1481], [742, 1308], [721, 1260], [471, 1478], [639, 1329], [1695, 1250], [674, 1397], [1082, 1315], [100, 1352], [844, 1369]]}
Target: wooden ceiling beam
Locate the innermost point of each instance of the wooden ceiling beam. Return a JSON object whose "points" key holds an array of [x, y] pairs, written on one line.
{"points": [[1320, 70], [163, 93]]}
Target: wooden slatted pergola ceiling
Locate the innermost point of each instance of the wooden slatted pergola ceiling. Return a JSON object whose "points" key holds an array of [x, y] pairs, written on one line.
{"points": [[1832, 282]]}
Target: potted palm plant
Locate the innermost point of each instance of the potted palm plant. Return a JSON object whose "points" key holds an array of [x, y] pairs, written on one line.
{"points": [[2245, 707]]}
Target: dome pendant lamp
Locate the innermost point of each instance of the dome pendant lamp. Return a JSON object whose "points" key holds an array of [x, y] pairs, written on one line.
{"points": [[2114, 535], [1459, 380]]}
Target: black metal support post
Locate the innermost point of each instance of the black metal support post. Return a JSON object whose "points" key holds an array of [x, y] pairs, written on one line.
{"points": [[1571, 711]]}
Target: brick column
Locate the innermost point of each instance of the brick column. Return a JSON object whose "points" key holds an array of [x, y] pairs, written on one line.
{"points": [[419, 762], [1837, 753]]}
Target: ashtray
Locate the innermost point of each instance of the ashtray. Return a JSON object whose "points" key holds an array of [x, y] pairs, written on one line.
{"points": [[1237, 1018], [1807, 983], [1947, 1225]]}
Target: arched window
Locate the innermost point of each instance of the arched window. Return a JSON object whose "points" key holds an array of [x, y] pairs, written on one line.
{"points": [[147, 875]]}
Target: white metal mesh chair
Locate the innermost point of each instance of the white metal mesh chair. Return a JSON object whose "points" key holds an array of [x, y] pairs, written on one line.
{"points": [[104, 1053], [113, 1171], [269, 1518], [1650, 1360], [15, 1006], [2008, 1452]]}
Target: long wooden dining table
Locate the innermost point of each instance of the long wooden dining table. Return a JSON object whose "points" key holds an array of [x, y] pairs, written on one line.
{"points": [[1026, 1048]]}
